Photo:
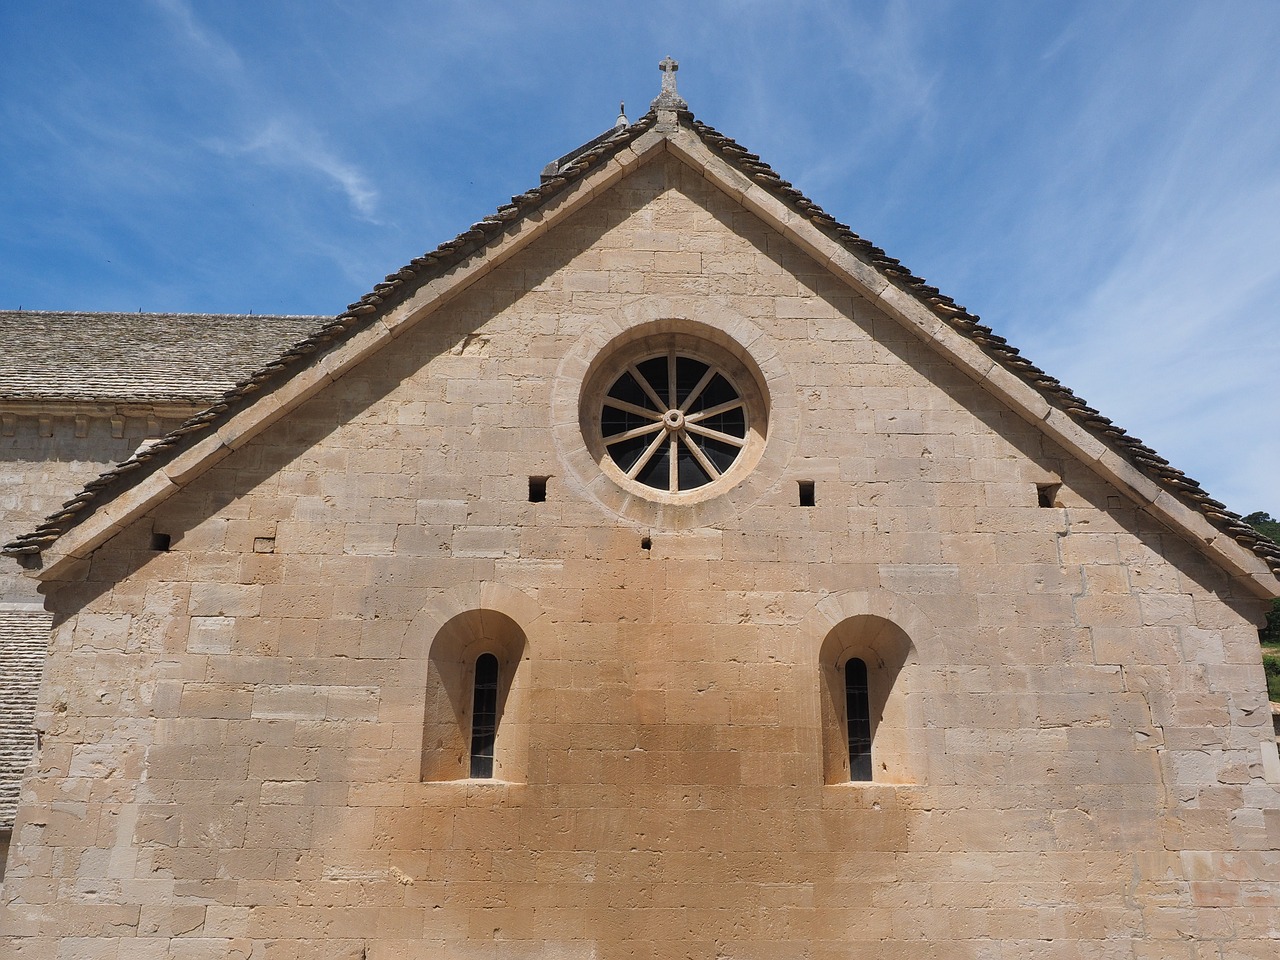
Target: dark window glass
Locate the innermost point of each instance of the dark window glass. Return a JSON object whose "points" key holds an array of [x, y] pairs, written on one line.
{"points": [[614, 421], [718, 391], [655, 371], [627, 390], [858, 705], [689, 373], [734, 422], [656, 472], [625, 453], [720, 454], [692, 475], [484, 716]]}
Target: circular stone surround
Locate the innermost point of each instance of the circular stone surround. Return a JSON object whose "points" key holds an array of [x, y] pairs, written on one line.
{"points": [[673, 417], [700, 327]]}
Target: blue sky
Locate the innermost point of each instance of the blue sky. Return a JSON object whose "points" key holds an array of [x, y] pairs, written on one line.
{"points": [[1100, 181]]}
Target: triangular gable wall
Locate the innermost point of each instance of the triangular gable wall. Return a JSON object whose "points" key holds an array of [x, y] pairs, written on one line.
{"points": [[408, 297]]}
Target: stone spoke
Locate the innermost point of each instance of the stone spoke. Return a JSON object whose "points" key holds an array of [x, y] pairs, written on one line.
{"points": [[632, 408], [633, 433], [715, 411], [697, 390], [646, 387], [645, 457], [701, 457], [715, 435]]}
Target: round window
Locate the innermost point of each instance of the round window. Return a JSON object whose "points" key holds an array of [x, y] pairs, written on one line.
{"points": [[673, 422], [672, 417]]}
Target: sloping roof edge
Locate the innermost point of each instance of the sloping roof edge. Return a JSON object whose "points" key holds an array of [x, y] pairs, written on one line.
{"points": [[1149, 477]]}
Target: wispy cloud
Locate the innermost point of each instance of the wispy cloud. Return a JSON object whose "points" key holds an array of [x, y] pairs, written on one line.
{"points": [[1064, 39], [1172, 332], [887, 55], [278, 137], [1178, 339], [206, 41], [284, 146]]}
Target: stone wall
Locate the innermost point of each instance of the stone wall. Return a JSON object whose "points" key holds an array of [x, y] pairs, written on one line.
{"points": [[45, 458], [238, 727], [48, 453]]}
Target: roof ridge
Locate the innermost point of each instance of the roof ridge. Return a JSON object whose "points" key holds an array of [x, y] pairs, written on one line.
{"points": [[400, 284]]}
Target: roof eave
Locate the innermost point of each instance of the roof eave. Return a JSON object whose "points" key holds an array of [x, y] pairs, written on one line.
{"points": [[396, 305], [1243, 564], [58, 556]]}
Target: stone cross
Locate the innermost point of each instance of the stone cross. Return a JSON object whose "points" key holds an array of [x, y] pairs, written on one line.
{"points": [[668, 98], [668, 68]]}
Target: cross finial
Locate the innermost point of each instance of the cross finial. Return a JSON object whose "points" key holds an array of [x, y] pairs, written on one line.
{"points": [[668, 98], [669, 68]]}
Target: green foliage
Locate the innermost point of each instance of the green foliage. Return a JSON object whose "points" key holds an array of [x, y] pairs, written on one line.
{"points": [[1270, 632], [1265, 524], [1272, 666], [1269, 527]]}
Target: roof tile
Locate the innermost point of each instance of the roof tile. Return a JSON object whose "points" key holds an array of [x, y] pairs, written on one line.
{"points": [[419, 271], [136, 357]]}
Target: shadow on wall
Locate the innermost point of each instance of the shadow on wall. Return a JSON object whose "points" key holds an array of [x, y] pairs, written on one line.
{"points": [[864, 702], [474, 727]]}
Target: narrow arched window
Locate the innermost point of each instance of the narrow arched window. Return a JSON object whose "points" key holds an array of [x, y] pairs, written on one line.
{"points": [[484, 716], [858, 706]]}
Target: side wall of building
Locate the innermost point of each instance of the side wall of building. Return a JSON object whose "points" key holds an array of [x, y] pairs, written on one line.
{"points": [[46, 456], [242, 748]]}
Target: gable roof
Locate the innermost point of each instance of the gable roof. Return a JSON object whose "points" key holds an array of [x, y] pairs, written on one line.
{"points": [[415, 290], [136, 357]]}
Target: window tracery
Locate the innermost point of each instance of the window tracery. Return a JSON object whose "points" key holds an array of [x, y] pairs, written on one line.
{"points": [[673, 422]]}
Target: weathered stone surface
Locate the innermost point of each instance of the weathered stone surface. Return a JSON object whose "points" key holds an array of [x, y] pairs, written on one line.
{"points": [[252, 753]]}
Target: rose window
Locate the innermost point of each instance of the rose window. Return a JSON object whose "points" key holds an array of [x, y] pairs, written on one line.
{"points": [[673, 423]]}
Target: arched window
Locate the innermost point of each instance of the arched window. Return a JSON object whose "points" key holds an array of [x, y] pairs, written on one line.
{"points": [[857, 704], [868, 720], [484, 716], [476, 700]]}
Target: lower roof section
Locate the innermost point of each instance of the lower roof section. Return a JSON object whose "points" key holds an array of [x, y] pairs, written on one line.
{"points": [[137, 357]]}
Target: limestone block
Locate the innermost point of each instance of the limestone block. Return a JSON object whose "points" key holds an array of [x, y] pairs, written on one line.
{"points": [[225, 600]]}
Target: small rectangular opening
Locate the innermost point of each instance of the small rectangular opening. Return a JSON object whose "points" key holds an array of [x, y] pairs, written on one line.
{"points": [[161, 541], [806, 493], [537, 489], [1047, 494], [646, 543]]}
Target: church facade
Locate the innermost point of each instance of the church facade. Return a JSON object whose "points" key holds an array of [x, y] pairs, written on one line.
{"points": [[655, 570]]}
